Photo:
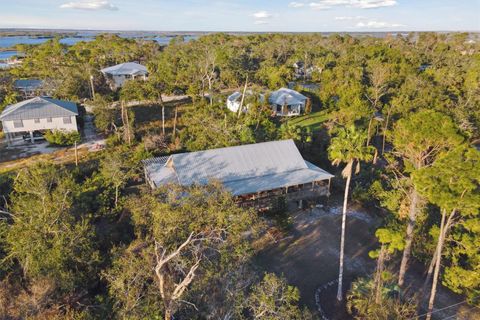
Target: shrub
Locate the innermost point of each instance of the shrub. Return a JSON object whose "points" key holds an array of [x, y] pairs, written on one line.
{"points": [[62, 138], [361, 301]]}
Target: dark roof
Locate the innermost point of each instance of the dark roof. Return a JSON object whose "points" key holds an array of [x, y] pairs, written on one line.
{"points": [[39, 107], [25, 84]]}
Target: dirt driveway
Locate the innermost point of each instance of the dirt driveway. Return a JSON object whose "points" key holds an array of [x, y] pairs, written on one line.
{"points": [[309, 252], [308, 256]]}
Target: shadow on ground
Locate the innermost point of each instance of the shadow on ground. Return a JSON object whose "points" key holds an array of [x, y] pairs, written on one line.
{"points": [[308, 257]]}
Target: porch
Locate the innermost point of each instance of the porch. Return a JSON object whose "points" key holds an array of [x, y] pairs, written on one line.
{"points": [[287, 110], [265, 200]]}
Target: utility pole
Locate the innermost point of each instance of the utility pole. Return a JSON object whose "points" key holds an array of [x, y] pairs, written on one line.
{"points": [[175, 122], [76, 155], [92, 87], [243, 97], [129, 138], [126, 124]]}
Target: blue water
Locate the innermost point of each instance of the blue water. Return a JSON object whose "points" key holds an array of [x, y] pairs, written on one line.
{"points": [[4, 55], [166, 40], [10, 42]]}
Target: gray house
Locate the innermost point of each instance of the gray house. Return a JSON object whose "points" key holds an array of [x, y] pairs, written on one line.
{"points": [[38, 114], [255, 174], [120, 73], [287, 102]]}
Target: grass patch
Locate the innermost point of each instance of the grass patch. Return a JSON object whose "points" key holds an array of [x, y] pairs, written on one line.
{"points": [[313, 120], [63, 156]]}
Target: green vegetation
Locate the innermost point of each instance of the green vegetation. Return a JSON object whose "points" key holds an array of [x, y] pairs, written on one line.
{"points": [[314, 120], [92, 242], [274, 299], [361, 305], [62, 138]]}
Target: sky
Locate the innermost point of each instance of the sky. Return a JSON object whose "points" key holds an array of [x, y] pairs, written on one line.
{"points": [[243, 15]]}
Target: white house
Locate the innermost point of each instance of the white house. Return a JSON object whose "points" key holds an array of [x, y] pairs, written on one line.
{"points": [[120, 73], [287, 102], [234, 100], [38, 114]]}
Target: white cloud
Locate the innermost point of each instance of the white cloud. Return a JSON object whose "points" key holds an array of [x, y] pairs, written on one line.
{"points": [[262, 15], [296, 4], [370, 4], [320, 5], [89, 5], [362, 4], [350, 18], [373, 24]]}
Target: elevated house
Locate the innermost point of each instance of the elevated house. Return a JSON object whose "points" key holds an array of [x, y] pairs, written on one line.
{"points": [[118, 74], [29, 88], [38, 114], [255, 174], [287, 102], [234, 100]]}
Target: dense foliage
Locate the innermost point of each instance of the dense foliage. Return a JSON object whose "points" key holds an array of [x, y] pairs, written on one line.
{"points": [[62, 138], [91, 242]]}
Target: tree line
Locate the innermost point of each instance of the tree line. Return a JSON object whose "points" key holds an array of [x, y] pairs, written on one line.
{"points": [[402, 118]]}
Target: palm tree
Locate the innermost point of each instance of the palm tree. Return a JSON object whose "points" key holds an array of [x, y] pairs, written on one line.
{"points": [[348, 146]]}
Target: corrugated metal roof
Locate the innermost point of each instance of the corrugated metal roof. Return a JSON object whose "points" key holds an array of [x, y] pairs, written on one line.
{"points": [[278, 180], [242, 169], [287, 97], [158, 173], [234, 96], [24, 84], [39, 107], [235, 163], [127, 68]]}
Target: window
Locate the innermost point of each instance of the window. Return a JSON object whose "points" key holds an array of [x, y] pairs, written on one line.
{"points": [[67, 120], [36, 120], [18, 123], [49, 119]]}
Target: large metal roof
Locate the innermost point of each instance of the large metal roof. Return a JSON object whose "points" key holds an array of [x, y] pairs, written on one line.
{"points": [[39, 107], [242, 169], [127, 68], [287, 97]]}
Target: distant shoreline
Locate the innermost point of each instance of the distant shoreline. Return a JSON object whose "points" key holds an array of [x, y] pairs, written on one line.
{"points": [[41, 33]]}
